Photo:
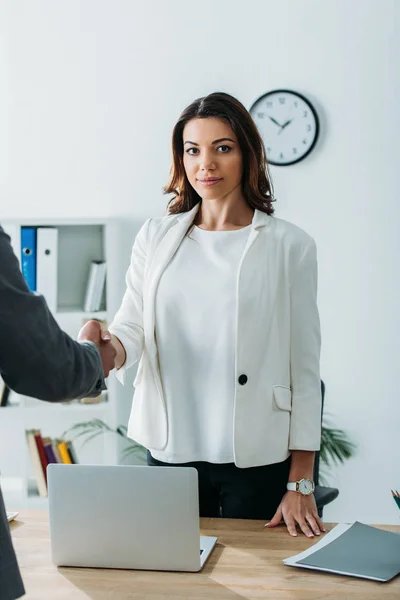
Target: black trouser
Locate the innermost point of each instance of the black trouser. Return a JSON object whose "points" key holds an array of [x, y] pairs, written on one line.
{"points": [[227, 491]]}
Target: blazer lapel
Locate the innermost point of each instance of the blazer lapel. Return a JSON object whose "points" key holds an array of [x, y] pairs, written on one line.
{"points": [[260, 220], [257, 279]]}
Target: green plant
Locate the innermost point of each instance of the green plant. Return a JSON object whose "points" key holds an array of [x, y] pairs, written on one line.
{"points": [[95, 427], [336, 448]]}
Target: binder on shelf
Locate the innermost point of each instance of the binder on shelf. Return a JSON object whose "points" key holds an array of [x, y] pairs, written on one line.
{"points": [[95, 286], [28, 256], [46, 265], [56, 451]]}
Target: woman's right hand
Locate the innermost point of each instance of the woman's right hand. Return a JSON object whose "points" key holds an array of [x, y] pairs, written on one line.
{"points": [[120, 350]]}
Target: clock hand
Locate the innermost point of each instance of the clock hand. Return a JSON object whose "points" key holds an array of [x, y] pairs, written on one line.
{"points": [[274, 121], [285, 125]]}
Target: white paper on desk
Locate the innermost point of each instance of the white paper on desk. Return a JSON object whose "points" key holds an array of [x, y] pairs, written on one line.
{"points": [[364, 551]]}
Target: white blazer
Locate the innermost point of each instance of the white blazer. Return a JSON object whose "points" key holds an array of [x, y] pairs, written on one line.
{"points": [[277, 406]]}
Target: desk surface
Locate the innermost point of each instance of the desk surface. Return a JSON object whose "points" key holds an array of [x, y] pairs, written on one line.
{"points": [[246, 563]]}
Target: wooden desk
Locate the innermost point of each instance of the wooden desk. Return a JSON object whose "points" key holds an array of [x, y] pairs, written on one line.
{"points": [[246, 563]]}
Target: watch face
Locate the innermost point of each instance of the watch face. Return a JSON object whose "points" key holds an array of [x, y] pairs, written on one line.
{"points": [[306, 487], [288, 124]]}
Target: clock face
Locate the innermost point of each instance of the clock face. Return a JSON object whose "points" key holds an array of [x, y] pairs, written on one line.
{"points": [[288, 124]]}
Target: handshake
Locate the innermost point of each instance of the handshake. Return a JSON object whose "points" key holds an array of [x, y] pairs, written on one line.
{"points": [[92, 332]]}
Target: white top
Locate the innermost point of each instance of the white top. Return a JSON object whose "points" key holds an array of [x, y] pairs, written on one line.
{"points": [[197, 350]]}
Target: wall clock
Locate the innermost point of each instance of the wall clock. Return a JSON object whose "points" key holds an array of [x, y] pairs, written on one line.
{"points": [[288, 124]]}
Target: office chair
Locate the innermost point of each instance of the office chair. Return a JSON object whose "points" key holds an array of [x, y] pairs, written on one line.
{"points": [[323, 495]]}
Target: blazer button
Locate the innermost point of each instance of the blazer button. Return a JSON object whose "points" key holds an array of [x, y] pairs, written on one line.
{"points": [[242, 379]]}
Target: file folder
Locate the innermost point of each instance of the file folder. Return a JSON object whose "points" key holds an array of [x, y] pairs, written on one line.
{"points": [[47, 258], [356, 550], [28, 256]]}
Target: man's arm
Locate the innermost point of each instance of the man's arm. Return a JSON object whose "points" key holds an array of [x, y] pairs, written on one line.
{"points": [[36, 357]]}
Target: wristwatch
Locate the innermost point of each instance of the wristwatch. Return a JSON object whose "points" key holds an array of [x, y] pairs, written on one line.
{"points": [[303, 486]]}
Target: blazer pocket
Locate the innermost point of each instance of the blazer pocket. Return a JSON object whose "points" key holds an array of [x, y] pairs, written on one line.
{"points": [[282, 397]]}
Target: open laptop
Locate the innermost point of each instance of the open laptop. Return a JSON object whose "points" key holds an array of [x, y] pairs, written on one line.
{"points": [[126, 517]]}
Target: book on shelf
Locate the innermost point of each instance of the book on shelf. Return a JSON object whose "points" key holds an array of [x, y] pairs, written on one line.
{"points": [[7, 396], [72, 454], [36, 462], [65, 455], [95, 286], [42, 454], [44, 450], [4, 393], [49, 450]]}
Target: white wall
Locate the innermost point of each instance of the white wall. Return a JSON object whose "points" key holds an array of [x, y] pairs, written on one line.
{"points": [[92, 88]]}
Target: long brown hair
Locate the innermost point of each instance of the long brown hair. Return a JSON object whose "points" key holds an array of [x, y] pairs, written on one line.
{"points": [[256, 181]]}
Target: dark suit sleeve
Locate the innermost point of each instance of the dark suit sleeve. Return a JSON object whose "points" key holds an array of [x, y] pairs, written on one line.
{"points": [[11, 585], [36, 357]]}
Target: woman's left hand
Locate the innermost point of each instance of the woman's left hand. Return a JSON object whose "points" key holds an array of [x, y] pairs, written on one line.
{"points": [[296, 509]]}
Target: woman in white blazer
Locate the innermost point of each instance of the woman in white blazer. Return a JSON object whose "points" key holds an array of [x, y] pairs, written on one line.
{"points": [[220, 311]]}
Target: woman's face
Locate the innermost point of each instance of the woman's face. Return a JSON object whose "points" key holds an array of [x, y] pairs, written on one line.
{"points": [[212, 157]]}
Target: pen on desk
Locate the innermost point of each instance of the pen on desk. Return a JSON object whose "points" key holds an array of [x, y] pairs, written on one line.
{"points": [[396, 497]]}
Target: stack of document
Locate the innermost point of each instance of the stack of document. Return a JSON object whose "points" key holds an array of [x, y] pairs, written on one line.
{"points": [[356, 550]]}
